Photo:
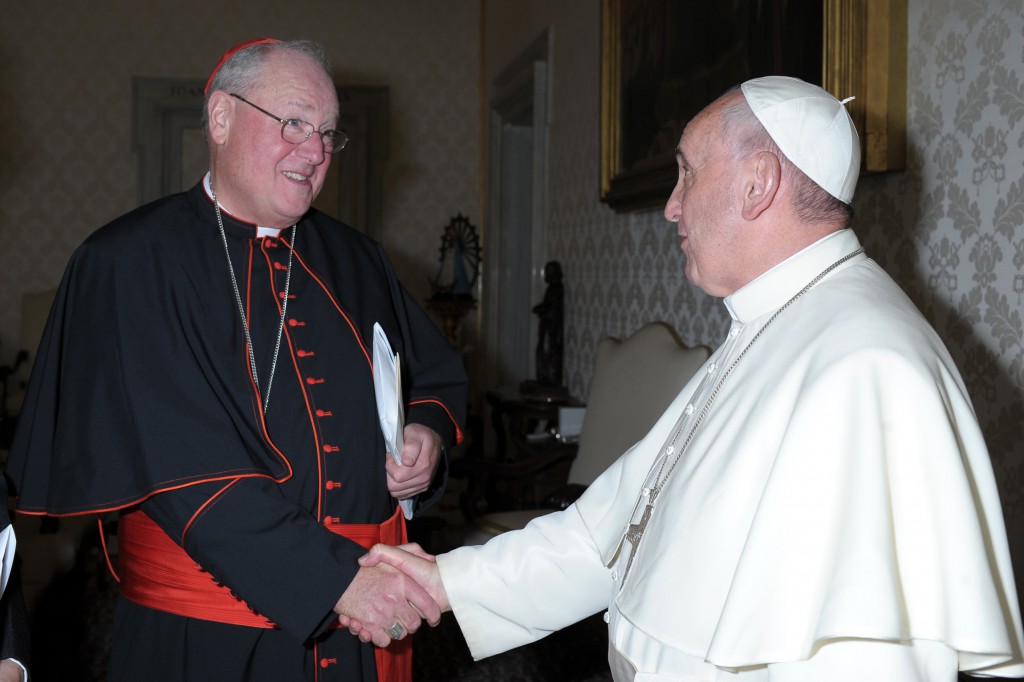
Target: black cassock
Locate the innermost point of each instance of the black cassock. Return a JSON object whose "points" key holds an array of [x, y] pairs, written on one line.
{"points": [[141, 394]]}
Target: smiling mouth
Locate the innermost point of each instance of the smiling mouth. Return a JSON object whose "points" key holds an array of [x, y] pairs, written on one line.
{"points": [[298, 177]]}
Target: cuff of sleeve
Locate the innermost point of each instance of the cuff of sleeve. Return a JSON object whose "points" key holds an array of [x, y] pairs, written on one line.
{"points": [[24, 670], [435, 417], [431, 495], [329, 619]]}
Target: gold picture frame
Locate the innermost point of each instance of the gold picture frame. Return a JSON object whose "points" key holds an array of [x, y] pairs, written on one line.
{"points": [[863, 55]]}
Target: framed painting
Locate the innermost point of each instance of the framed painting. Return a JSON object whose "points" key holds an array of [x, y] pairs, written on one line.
{"points": [[664, 60]]}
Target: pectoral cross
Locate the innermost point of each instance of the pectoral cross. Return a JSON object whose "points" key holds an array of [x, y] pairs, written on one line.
{"points": [[635, 531]]}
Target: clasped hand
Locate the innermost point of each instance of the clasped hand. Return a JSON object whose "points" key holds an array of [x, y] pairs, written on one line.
{"points": [[420, 456], [394, 585]]}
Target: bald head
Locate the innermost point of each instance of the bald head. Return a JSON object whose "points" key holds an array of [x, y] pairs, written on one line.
{"points": [[240, 68]]}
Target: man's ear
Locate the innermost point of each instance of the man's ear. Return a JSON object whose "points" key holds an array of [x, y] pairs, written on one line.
{"points": [[221, 116], [763, 172]]}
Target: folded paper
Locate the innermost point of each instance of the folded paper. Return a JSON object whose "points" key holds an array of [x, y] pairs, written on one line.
{"points": [[387, 386]]}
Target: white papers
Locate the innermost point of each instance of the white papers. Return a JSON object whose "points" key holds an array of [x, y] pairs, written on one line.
{"points": [[8, 544], [387, 385]]}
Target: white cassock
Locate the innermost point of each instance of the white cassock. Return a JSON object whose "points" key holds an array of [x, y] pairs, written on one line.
{"points": [[834, 516]]}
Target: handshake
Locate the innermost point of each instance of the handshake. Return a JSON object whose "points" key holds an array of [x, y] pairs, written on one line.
{"points": [[395, 590]]}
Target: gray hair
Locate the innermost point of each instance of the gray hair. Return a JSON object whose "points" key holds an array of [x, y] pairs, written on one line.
{"points": [[746, 135], [240, 73]]}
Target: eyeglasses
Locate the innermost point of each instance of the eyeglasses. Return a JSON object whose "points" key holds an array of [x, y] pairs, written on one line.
{"points": [[297, 131]]}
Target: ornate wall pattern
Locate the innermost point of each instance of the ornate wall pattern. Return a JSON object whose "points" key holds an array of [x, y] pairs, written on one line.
{"points": [[68, 165], [951, 229]]}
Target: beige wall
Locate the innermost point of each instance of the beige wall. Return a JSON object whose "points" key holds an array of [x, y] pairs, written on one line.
{"points": [[67, 164], [949, 228]]}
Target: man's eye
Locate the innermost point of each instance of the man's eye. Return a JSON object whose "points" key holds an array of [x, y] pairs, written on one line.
{"points": [[293, 123]]}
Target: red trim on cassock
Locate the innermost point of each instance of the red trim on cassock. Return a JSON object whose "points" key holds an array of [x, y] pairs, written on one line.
{"points": [[157, 573], [337, 306], [458, 432], [355, 333], [124, 503]]}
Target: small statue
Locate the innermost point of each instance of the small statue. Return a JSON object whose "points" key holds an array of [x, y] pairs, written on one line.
{"points": [[549, 334]]}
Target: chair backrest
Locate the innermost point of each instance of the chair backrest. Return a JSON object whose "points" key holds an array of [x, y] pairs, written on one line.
{"points": [[634, 381]]}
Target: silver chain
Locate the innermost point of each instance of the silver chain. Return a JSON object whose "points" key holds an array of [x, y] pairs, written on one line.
{"points": [[659, 481], [241, 308]]}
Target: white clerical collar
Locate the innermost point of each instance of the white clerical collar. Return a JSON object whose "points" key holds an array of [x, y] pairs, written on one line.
{"points": [[778, 285], [260, 230]]}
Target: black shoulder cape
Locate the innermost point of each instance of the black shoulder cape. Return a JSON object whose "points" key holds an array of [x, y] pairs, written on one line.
{"points": [[141, 381]]}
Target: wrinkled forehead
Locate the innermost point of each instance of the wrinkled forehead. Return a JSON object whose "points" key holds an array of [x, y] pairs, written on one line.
{"points": [[295, 78], [707, 130], [697, 135], [290, 67]]}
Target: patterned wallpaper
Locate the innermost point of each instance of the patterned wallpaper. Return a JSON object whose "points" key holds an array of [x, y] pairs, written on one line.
{"points": [[67, 165], [950, 228]]}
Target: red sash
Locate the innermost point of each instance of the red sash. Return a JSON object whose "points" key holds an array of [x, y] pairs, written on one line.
{"points": [[157, 573]]}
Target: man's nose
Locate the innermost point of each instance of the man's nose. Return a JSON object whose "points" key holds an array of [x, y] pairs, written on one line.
{"points": [[672, 206], [313, 149]]}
